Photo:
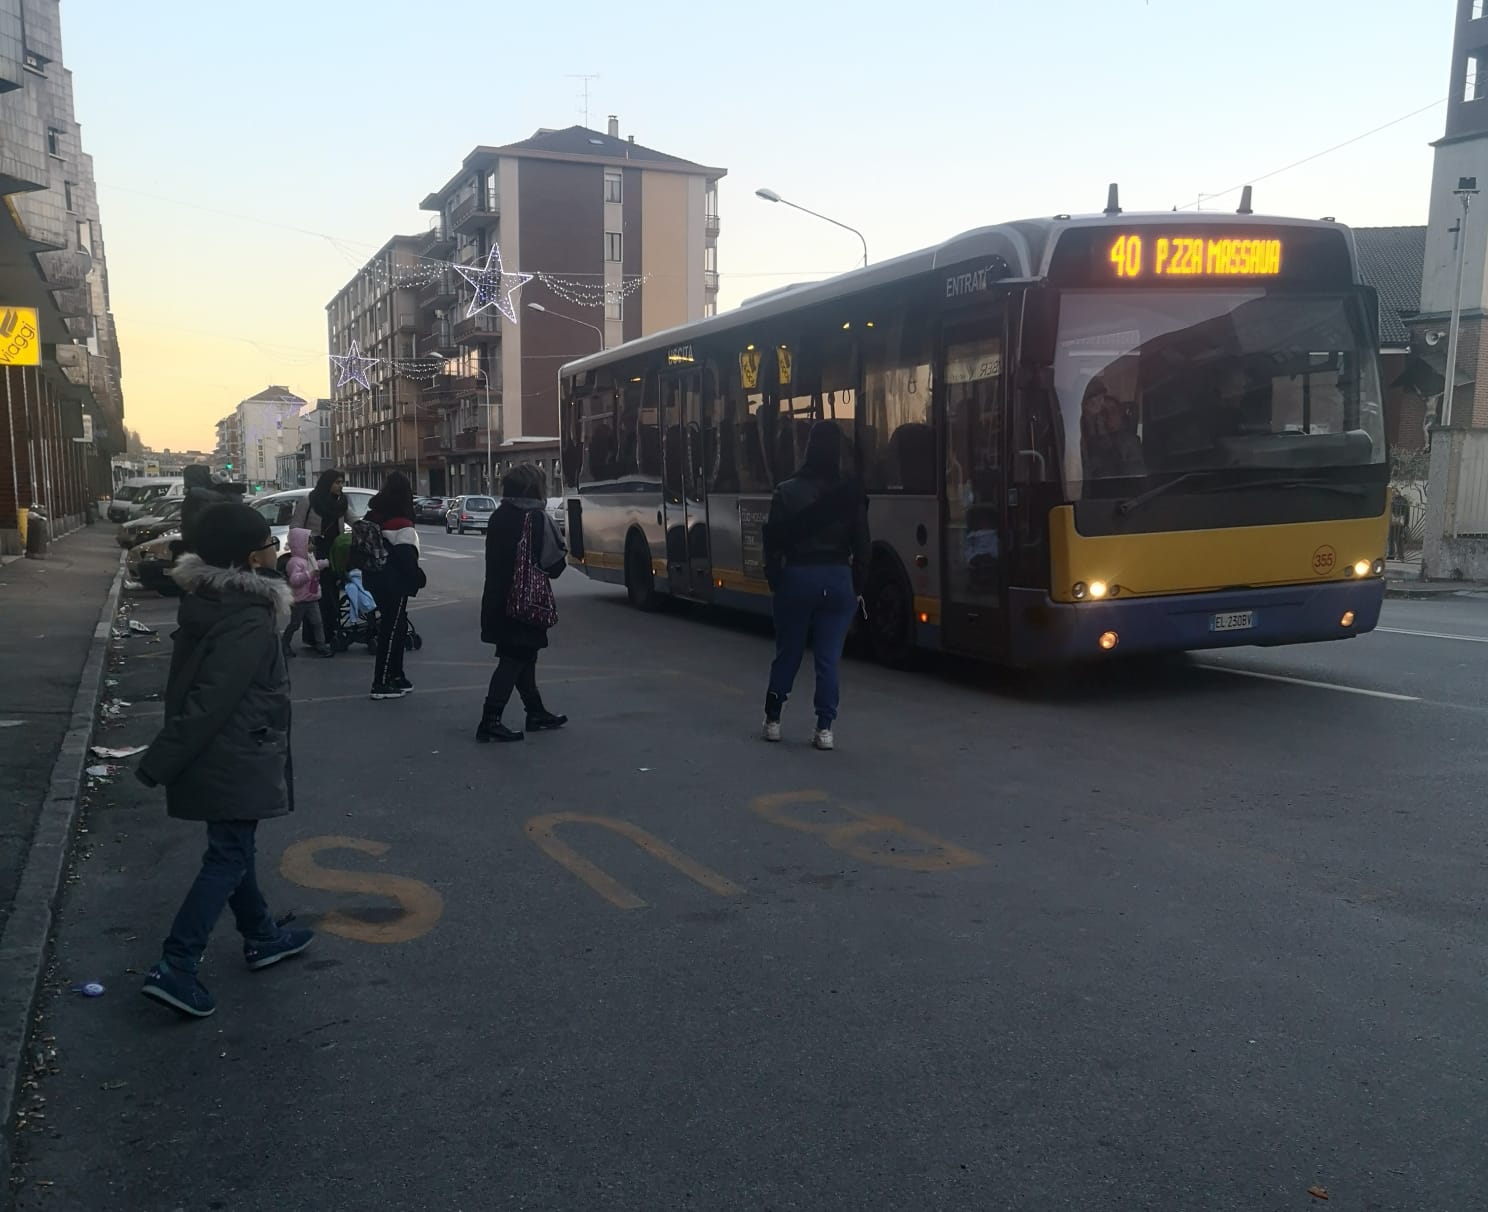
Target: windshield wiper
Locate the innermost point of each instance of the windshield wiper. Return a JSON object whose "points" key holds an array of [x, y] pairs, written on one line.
{"points": [[1152, 494]]}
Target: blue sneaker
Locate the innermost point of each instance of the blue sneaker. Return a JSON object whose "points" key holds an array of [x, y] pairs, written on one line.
{"points": [[263, 954], [178, 990]]}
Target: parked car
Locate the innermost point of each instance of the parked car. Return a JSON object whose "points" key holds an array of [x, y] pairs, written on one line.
{"points": [[278, 508], [133, 498], [431, 509], [469, 513], [164, 516], [150, 562], [558, 511]]}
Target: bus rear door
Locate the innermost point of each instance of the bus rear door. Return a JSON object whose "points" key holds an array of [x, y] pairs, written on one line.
{"points": [[684, 496], [970, 382]]}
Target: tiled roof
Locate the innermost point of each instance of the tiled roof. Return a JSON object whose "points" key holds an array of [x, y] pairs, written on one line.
{"points": [[1390, 258], [581, 141]]}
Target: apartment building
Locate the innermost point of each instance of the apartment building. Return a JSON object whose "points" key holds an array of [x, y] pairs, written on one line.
{"points": [[619, 240], [61, 405], [375, 428]]}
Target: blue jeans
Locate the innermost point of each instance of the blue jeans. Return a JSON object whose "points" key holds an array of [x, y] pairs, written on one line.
{"points": [[818, 598], [227, 877]]}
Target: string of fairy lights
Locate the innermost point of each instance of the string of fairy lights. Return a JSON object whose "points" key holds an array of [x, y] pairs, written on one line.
{"points": [[493, 287]]}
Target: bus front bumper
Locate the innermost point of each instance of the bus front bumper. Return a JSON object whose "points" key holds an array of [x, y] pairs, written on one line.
{"points": [[1052, 632]]}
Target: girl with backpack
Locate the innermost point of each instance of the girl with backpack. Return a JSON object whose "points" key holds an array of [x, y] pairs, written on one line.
{"points": [[385, 545], [523, 553]]}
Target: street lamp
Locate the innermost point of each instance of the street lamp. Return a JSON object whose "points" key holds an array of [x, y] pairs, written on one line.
{"points": [[595, 328], [486, 378], [1467, 187], [769, 195]]}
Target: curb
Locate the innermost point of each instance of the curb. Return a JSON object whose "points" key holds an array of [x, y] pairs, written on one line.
{"points": [[28, 930]]}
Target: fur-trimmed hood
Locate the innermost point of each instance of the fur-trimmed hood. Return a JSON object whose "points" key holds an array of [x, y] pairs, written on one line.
{"points": [[215, 592]]}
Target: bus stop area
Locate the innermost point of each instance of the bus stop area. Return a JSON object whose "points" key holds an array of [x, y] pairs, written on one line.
{"points": [[1199, 933]]}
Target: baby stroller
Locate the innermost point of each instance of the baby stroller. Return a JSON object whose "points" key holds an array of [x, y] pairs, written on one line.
{"points": [[357, 616]]}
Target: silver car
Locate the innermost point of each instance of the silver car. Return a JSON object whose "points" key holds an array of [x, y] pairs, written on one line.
{"points": [[279, 507], [469, 513]]}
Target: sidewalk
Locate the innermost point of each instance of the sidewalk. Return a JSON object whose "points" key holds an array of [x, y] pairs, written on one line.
{"points": [[54, 616], [1403, 580]]}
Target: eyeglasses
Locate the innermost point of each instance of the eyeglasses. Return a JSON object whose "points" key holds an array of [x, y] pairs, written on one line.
{"points": [[266, 546]]}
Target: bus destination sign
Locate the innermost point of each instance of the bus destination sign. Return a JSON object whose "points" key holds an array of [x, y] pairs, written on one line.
{"points": [[1134, 255]]}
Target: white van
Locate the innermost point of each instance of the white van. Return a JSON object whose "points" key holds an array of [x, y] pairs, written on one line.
{"points": [[133, 497]]}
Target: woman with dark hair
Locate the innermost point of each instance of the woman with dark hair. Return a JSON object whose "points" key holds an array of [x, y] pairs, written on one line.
{"points": [[398, 578], [325, 513], [521, 542], [816, 559]]}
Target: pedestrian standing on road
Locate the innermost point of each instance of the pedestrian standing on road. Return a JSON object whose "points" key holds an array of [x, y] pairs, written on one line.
{"points": [[816, 560], [303, 574], [223, 752], [325, 513], [524, 552], [392, 577]]}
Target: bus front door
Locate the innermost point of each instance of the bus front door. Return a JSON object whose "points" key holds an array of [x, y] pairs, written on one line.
{"points": [[684, 496], [974, 530]]}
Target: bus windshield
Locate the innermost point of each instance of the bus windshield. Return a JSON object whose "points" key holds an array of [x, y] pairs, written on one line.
{"points": [[1155, 384]]}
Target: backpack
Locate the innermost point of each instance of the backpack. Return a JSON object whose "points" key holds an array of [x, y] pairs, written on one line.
{"points": [[368, 551]]}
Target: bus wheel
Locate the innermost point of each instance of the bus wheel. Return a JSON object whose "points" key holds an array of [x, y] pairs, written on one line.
{"points": [[890, 624], [640, 581]]}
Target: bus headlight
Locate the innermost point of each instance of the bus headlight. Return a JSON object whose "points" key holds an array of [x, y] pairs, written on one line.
{"points": [[1097, 589], [1361, 569], [1379, 568], [1079, 591]]}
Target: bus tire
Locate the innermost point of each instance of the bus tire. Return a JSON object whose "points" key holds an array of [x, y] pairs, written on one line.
{"points": [[640, 581], [890, 623]]}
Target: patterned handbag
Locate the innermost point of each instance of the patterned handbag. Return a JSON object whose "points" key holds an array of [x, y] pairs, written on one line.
{"points": [[530, 599]]}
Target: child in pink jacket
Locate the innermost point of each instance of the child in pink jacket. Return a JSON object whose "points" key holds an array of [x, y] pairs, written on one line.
{"points": [[303, 574]]}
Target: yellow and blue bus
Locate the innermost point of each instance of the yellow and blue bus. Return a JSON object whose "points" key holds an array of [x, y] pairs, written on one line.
{"points": [[1080, 437]]}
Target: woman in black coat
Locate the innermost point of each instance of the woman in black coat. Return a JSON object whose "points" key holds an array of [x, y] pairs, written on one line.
{"points": [[523, 499], [325, 514]]}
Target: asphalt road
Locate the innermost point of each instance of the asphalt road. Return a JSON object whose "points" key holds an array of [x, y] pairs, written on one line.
{"points": [[1179, 938]]}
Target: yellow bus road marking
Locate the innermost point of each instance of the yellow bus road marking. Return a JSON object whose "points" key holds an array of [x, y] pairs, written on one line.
{"points": [[925, 852], [542, 831], [1277, 677], [1435, 635], [420, 905]]}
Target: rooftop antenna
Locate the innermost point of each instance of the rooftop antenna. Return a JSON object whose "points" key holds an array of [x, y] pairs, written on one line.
{"points": [[1113, 199], [585, 93], [1244, 207]]}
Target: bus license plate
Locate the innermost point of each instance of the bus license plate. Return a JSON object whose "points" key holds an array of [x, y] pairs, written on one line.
{"points": [[1235, 620]]}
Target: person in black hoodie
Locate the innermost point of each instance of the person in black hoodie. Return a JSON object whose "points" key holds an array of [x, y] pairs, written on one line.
{"points": [[325, 513], [523, 505], [399, 579], [222, 754], [817, 551]]}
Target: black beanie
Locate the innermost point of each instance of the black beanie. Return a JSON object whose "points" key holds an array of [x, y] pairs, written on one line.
{"points": [[226, 535]]}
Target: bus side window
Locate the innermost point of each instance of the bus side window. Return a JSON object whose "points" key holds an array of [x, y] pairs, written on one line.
{"points": [[895, 431]]}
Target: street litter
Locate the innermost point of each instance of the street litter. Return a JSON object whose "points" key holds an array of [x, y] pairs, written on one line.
{"points": [[114, 707], [101, 771], [104, 751], [89, 989], [139, 628]]}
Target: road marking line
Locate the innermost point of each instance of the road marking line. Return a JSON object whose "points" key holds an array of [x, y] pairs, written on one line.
{"points": [[448, 555], [1435, 635], [1277, 677], [420, 906]]}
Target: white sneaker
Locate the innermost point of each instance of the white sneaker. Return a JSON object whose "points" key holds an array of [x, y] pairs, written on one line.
{"points": [[823, 739], [772, 730]]}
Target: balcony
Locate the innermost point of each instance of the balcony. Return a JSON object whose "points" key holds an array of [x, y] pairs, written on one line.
{"points": [[438, 342], [470, 439], [436, 243], [405, 321], [710, 225], [710, 280], [480, 327], [439, 290], [474, 212]]}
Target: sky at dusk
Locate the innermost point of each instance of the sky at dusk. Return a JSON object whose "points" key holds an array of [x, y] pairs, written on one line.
{"points": [[250, 158]]}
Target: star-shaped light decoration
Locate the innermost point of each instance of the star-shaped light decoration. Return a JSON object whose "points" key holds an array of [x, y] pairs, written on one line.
{"points": [[494, 286], [352, 367]]}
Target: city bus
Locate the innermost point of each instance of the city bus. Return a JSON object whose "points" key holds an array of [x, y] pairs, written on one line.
{"points": [[1080, 437]]}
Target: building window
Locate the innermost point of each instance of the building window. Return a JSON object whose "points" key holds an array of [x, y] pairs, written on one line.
{"points": [[710, 258], [54, 142], [614, 305], [710, 200], [614, 247], [67, 194], [1478, 8], [1476, 86], [613, 187]]}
